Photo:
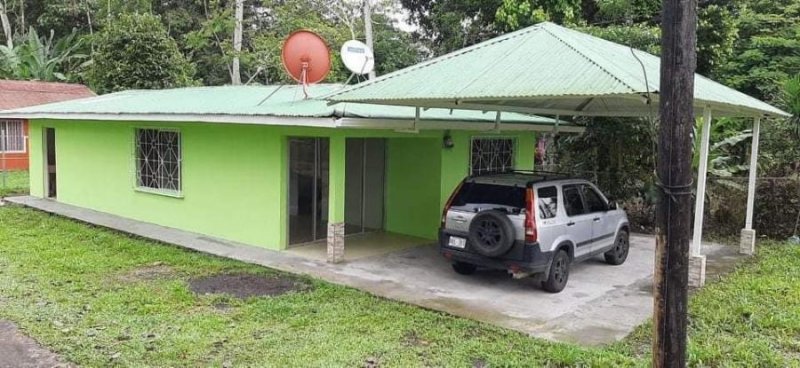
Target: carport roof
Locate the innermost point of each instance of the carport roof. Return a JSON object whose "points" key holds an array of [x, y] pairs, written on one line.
{"points": [[278, 105], [545, 69]]}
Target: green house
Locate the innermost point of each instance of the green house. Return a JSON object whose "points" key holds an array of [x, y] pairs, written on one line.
{"points": [[266, 166]]}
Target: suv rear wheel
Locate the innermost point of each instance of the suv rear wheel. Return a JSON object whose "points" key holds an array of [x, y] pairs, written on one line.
{"points": [[617, 255], [464, 268], [559, 273]]}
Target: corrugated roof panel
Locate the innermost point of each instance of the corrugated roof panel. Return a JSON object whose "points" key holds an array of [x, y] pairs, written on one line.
{"points": [[252, 101], [524, 69], [15, 94]]}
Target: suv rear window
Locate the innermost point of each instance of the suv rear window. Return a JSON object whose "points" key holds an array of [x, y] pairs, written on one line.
{"points": [[501, 195]]}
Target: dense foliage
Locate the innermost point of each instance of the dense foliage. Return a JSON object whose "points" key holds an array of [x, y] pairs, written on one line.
{"points": [[135, 52]]}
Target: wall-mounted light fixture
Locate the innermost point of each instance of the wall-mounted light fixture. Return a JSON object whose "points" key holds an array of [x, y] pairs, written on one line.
{"points": [[447, 142]]}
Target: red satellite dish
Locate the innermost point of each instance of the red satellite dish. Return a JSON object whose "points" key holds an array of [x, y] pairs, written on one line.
{"points": [[306, 57]]}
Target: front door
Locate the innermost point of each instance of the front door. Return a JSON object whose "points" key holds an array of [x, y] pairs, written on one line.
{"points": [[365, 167], [579, 221], [50, 163], [308, 189]]}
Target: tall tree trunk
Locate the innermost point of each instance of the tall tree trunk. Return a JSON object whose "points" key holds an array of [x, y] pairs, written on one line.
{"points": [[674, 170], [6, 25], [23, 30], [368, 31], [236, 77]]}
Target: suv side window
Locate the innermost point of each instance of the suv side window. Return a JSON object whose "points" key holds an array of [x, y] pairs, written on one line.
{"points": [[573, 202], [548, 202], [594, 200]]}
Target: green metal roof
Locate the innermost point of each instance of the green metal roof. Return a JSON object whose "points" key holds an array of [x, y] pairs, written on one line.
{"points": [[252, 104], [545, 69]]}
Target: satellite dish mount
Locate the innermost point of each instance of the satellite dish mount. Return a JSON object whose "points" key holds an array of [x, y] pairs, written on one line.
{"points": [[306, 58]]}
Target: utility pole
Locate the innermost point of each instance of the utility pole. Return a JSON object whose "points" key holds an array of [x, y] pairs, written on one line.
{"points": [[674, 170], [368, 31], [236, 77]]}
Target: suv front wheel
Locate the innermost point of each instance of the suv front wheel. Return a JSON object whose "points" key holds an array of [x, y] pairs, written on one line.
{"points": [[559, 273], [617, 255]]}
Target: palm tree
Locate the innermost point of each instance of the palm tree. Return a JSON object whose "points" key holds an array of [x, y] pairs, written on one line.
{"points": [[42, 59]]}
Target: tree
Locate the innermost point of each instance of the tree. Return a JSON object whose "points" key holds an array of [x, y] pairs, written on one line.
{"points": [[136, 52], [516, 14], [448, 25], [767, 50], [6, 24], [43, 59]]}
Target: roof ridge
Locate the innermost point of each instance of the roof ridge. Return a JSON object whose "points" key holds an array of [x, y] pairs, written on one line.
{"points": [[571, 47], [438, 59]]}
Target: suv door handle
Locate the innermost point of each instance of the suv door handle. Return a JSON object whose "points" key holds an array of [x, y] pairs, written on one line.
{"points": [[596, 219], [570, 223]]}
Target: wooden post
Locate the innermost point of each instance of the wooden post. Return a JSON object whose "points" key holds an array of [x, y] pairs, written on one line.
{"points": [[674, 170]]}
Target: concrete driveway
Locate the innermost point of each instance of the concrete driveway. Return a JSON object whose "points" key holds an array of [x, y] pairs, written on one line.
{"points": [[601, 303]]}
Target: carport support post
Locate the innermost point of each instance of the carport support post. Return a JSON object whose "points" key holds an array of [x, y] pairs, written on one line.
{"points": [[336, 199], [747, 245], [697, 261]]}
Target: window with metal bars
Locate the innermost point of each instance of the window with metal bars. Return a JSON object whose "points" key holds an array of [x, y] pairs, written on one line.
{"points": [[490, 155], [158, 160], [12, 136]]}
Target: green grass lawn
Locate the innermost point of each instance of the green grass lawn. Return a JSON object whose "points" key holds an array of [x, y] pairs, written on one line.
{"points": [[85, 293], [16, 183]]}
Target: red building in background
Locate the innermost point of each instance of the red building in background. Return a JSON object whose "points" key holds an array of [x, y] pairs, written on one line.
{"points": [[14, 133]]}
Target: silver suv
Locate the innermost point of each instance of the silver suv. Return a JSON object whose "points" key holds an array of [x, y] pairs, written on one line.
{"points": [[531, 223]]}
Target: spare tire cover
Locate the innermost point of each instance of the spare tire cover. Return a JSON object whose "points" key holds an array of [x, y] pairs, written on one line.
{"points": [[491, 233]]}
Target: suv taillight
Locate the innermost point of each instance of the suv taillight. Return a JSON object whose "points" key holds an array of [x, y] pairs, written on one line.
{"points": [[450, 202], [531, 234]]}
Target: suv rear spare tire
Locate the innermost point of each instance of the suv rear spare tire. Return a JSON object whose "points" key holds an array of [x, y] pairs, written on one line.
{"points": [[491, 233]]}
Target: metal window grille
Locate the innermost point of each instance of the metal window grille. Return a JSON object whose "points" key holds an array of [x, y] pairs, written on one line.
{"points": [[158, 160], [492, 155], [12, 136]]}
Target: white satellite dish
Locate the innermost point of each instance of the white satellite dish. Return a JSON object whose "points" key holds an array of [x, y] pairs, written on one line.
{"points": [[358, 57]]}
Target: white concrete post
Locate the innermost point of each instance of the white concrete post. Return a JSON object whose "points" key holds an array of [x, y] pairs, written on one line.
{"points": [[697, 261], [748, 239]]}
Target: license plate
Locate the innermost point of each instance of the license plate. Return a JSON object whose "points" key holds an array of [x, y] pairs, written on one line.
{"points": [[457, 242]]}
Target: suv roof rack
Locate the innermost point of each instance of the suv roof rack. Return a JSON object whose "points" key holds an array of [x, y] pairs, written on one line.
{"points": [[545, 175]]}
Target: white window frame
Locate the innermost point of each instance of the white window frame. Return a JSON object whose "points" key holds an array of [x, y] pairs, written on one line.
{"points": [[137, 168], [514, 146], [22, 138]]}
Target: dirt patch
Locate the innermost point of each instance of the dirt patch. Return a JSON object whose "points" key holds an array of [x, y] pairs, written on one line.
{"points": [[20, 351], [149, 272], [246, 285]]}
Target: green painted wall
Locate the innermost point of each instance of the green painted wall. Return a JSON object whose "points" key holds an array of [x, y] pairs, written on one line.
{"points": [[231, 177], [413, 174], [234, 176]]}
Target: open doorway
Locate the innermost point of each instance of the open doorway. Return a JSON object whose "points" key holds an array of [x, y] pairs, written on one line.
{"points": [[308, 189], [365, 170], [50, 162]]}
